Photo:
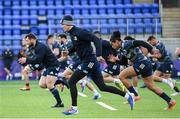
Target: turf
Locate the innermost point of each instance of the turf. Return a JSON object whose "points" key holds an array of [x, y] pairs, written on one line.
{"points": [[37, 104]]}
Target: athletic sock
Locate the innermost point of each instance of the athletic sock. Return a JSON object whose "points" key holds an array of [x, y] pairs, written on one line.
{"points": [[56, 95], [132, 90], [27, 84], [176, 89], [165, 97]]}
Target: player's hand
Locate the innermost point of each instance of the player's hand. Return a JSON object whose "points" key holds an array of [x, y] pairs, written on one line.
{"points": [[101, 59], [65, 53], [22, 60], [112, 58]]}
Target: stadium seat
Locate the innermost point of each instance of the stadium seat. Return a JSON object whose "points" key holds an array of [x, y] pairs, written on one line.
{"points": [[1, 31], [94, 21], [16, 20], [1, 21], [33, 2], [42, 2], [156, 18], [138, 18], [103, 21], [59, 10], [110, 2], [75, 2], [110, 10], [93, 10], [34, 20], [16, 2], [112, 20], [7, 42], [157, 28], [137, 8], [58, 2], [102, 10], [7, 3], [51, 10], [33, 10], [43, 29], [84, 2], [113, 27], [146, 8], [117, 2], [101, 2], [67, 9], [25, 2], [85, 21], [147, 18], [67, 2], [43, 38], [42, 10], [131, 28], [34, 29], [154, 8], [85, 10], [7, 30], [24, 10], [25, 20], [130, 18], [148, 28], [1, 10], [104, 29], [122, 28], [128, 9], [16, 10], [7, 20], [7, 11], [139, 28], [92, 2], [127, 1], [16, 42], [16, 30], [50, 3], [119, 9]]}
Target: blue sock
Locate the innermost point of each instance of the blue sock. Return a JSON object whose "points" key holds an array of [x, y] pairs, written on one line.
{"points": [[56, 95], [131, 90]]}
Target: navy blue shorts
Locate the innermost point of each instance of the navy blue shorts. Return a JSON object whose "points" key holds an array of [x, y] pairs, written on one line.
{"points": [[143, 68], [53, 71], [165, 67], [112, 69], [74, 65]]}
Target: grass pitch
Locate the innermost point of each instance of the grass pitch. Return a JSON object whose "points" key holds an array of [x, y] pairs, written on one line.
{"points": [[37, 103]]}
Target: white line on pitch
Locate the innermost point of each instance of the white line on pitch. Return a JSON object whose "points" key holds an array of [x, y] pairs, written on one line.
{"points": [[106, 106], [81, 94]]}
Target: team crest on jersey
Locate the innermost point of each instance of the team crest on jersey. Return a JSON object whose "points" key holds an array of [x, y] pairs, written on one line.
{"points": [[75, 38]]}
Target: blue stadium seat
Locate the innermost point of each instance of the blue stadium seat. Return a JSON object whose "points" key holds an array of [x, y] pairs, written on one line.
{"points": [[67, 2], [16, 42], [25, 20], [112, 20], [33, 2], [7, 11], [34, 29], [103, 21], [42, 2], [85, 10], [92, 2], [16, 2], [7, 20], [104, 29], [102, 10], [43, 29], [7, 30], [146, 8], [147, 18], [127, 1], [137, 8], [50, 3], [113, 27], [1, 31], [122, 28], [138, 18], [131, 28], [68, 9], [7, 40], [43, 38], [157, 28], [1, 21], [59, 10], [24, 10], [128, 9], [42, 10], [16, 20], [33, 10], [139, 28], [101, 2], [119, 9], [156, 18], [51, 10], [110, 2], [33, 20], [16, 10], [121, 20], [58, 2], [148, 28], [93, 10], [7, 3], [1, 10], [25, 2], [117, 2], [84, 2], [75, 2], [94, 21], [85, 21], [110, 9], [16, 30], [130, 18], [154, 8]]}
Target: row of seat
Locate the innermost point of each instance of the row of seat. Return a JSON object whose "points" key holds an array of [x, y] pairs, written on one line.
{"points": [[80, 10], [61, 2]]}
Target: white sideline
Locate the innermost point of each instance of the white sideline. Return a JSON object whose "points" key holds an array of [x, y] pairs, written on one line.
{"points": [[81, 94], [106, 106]]}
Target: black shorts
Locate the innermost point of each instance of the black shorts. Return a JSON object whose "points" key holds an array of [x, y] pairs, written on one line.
{"points": [[75, 65], [53, 71], [112, 69], [165, 67]]}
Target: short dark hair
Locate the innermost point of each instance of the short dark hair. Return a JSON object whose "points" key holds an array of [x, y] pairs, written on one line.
{"points": [[116, 35], [129, 38], [49, 36], [97, 32], [31, 36], [150, 38], [63, 36]]}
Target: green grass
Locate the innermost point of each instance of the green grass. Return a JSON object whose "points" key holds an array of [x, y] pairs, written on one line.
{"points": [[37, 102]]}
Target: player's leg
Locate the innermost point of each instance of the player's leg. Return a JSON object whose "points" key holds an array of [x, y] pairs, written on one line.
{"points": [[135, 83], [25, 73]]}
